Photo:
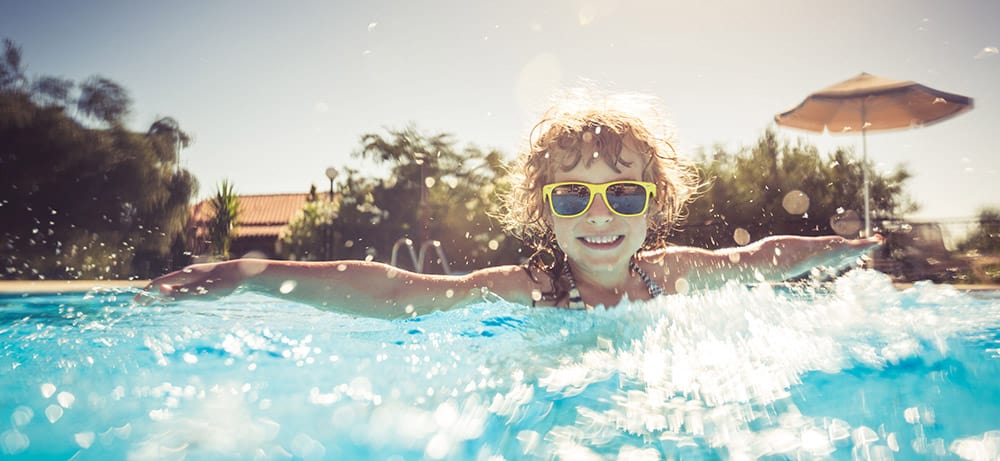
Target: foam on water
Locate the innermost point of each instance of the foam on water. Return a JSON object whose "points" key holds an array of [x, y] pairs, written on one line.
{"points": [[850, 370]]}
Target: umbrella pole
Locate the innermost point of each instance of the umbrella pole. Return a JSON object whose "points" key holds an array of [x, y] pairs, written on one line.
{"points": [[864, 170], [864, 167]]}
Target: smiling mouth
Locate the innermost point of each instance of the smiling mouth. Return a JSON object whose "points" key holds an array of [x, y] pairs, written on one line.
{"points": [[601, 241]]}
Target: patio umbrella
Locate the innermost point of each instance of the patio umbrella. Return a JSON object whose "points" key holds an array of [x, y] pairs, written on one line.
{"points": [[871, 103]]}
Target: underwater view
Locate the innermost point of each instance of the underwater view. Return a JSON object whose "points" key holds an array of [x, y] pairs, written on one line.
{"points": [[851, 369]]}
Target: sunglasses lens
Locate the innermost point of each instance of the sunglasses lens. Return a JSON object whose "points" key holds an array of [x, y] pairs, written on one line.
{"points": [[627, 198], [570, 199]]}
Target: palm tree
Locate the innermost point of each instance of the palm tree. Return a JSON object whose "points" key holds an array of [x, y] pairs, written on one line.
{"points": [[11, 70], [167, 128], [222, 226], [104, 99]]}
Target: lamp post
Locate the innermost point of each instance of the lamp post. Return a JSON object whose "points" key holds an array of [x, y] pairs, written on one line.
{"points": [[421, 159], [331, 173]]}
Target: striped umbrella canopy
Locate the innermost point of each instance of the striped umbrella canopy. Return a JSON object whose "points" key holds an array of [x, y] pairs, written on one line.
{"points": [[868, 102]]}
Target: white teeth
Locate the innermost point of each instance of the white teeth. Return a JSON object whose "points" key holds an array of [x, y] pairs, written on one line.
{"points": [[601, 239]]}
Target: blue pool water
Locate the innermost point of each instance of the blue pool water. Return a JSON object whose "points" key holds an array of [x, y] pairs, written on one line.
{"points": [[850, 370]]}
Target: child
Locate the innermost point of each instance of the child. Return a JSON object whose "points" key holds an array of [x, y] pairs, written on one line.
{"points": [[595, 193]]}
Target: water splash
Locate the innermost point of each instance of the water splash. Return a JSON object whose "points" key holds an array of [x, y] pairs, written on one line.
{"points": [[851, 369]]}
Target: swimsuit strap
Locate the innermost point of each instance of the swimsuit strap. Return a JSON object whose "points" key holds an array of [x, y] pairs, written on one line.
{"points": [[654, 288], [576, 301]]}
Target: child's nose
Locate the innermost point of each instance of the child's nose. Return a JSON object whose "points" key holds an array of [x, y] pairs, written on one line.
{"points": [[599, 212]]}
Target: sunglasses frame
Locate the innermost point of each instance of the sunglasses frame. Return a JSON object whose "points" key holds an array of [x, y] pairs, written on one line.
{"points": [[595, 189]]}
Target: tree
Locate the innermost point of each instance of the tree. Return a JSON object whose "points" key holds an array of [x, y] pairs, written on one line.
{"points": [[168, 139], [986, 238], [52, 91], [222, 226], [77, 202], [434, 191], [306, 235], [777, 187], [104, 100], [11, 70]]}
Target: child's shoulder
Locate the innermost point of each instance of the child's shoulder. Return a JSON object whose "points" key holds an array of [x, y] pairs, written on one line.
{"points": [[514, 283]]}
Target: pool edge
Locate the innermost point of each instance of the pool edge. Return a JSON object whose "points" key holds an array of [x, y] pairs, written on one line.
{"points": [[17, 287]]}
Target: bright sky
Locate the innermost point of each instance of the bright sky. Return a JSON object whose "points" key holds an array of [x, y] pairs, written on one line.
{"points": [[275, 92]]}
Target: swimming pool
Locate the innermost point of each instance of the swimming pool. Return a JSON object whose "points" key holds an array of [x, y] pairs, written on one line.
{"points": [[850, 370]]}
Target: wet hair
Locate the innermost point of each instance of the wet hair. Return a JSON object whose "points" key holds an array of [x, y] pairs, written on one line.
{"points": [[584, 127]]}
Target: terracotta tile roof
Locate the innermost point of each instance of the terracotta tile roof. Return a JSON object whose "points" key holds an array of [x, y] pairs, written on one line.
{"points": [[260, 216], [256, 210]]}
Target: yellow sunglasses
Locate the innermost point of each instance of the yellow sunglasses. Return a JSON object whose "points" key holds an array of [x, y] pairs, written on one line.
{"points": [[624, 198]]}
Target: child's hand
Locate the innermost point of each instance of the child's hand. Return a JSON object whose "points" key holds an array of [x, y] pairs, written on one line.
{"points": [[850, 250], [201, 281]]}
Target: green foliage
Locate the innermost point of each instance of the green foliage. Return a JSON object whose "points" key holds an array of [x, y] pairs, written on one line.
{"points": [[11, 70], [104, 100], [226, 211], [434, 191], [986, 239], [754, 190], [310, 232], [77, 202]]}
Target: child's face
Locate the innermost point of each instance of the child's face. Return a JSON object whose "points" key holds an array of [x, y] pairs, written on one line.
{"points": [[599, 239]]}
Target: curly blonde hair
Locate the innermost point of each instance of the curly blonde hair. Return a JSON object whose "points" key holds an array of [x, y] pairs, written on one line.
{"points": [[603, 125]]}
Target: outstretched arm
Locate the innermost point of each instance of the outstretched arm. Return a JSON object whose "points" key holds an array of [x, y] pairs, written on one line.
{"points": [[772, 259], [364, 288]]}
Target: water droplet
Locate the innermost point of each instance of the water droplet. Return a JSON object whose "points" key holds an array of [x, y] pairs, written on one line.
{"points": [[307, 448], [493, 245], [429, 182], [536, 295], [449, 293], [84, 439], [438, 447], [48, 389], [287, 286], [795, 202], [682, 286], [53, 413], [14, 442], [21, 416], [66, 399], [741, 236]]}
